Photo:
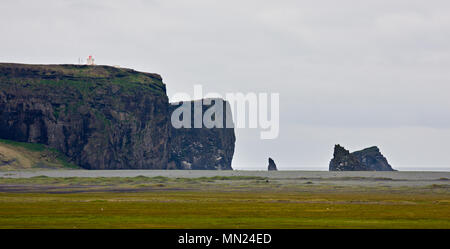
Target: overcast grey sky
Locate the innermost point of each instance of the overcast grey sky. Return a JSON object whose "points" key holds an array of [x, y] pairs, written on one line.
{"points": [[354, 72]]}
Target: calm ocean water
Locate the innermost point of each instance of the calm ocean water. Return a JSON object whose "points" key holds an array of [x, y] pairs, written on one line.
{"points": [[325, 168]]}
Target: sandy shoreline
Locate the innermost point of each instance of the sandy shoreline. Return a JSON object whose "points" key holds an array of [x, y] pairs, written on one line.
{"points": [[394, 179], [395, 175]]}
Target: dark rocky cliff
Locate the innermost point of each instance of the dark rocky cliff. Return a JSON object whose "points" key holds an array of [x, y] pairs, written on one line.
{"points": [[101, 117], [202, 148], [369, 159]]}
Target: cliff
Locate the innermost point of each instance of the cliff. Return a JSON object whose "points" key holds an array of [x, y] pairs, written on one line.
{"points": [[100, 117], [202, 148], [369, 159]]}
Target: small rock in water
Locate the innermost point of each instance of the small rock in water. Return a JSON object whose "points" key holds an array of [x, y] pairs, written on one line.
{"points": [[272, 166]]}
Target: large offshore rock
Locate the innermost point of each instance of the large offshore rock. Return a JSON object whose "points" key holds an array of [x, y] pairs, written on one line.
{"points": [[369, 159], [202, 148], [373, 159]]}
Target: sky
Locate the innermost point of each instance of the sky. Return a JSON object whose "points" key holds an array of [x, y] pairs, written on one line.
{"points": [[350, 72]]}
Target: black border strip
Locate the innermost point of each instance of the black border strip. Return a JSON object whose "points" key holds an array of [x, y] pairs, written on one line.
{"points": [[279, 238]]}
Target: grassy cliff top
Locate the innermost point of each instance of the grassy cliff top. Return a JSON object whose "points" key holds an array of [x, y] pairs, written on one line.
{"points": [[33, 73], [80, 71]]}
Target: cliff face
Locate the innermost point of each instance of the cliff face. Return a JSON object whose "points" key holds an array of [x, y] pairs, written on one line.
{"points": [[104, 118], [100, 117], [202, 148], [369, 159]]}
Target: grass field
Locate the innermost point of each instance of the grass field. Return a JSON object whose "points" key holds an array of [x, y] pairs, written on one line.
{"points": [[216, 202]]}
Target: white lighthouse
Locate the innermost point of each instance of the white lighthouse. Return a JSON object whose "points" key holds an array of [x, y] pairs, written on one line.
{"points": [[90, 60]]}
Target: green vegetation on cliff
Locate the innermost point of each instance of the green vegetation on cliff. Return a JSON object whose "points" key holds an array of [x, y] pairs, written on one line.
{"points": [[18, 156], [85, 78]]}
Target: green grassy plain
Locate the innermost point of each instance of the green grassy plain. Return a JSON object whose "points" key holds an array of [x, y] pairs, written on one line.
{"points": [[234, 202]]}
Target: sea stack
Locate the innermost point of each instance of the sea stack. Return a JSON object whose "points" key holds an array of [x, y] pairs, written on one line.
{"points": [[272, 166], [369, 159], [202, 148]]}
